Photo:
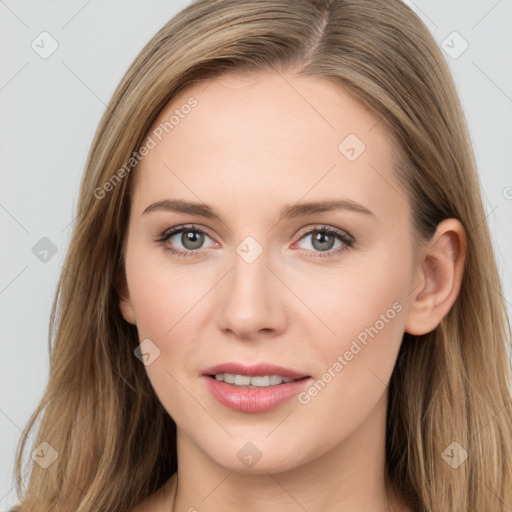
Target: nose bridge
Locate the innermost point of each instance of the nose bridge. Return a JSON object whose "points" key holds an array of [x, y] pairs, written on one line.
{"points": [[250, 297]]}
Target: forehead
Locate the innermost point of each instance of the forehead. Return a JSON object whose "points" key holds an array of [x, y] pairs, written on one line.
{"points": [[268, 136]]}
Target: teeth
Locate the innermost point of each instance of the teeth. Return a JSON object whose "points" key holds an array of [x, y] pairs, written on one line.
{"points": [[261, 381], [242, 380], [229, 378], [264, 381]]}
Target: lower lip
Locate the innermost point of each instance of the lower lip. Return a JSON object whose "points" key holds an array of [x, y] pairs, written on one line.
{"points": [[253, 400]]}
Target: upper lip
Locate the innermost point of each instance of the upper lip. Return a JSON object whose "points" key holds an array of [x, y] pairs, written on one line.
{"points": [[254, 370]]}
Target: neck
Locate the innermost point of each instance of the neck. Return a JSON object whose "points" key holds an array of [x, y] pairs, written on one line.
{"points": [[350, 477]]}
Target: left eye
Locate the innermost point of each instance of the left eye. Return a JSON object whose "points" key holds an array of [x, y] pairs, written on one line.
{"points": [[324, 239]]}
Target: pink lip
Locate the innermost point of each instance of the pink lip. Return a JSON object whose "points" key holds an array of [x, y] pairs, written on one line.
{"points": [[254, 400], [254, 370]]}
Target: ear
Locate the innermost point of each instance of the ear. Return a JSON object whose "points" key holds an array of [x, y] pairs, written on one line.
{"points": [[125, 304], [438, 277]]}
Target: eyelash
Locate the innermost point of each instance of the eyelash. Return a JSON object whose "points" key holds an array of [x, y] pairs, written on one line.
{"points": [[345, 238]]}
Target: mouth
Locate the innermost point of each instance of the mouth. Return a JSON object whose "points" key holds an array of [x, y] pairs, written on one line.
{"points": [[253, 389]]}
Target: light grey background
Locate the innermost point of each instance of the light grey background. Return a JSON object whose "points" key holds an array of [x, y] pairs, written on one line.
{"points": [[50, 109]]}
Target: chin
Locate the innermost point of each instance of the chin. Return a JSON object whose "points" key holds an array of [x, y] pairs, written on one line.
{"points": [[257, 457]]}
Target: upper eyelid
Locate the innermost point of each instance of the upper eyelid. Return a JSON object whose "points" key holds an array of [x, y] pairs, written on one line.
{"points": [[319, 227], [300, 234], [178, 229]]}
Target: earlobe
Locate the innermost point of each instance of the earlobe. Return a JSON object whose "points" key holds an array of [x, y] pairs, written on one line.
{"points": [[440, 272], [125, 304]]}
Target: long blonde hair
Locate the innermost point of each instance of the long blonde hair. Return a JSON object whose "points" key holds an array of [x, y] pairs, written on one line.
{"points": [[115, 442]]}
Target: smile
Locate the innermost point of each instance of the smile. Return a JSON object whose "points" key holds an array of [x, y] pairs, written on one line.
{"points": [[260, 381]]}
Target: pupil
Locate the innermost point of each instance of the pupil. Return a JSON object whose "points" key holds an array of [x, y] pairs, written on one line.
{"points": [[321, 238], [192, 239]]}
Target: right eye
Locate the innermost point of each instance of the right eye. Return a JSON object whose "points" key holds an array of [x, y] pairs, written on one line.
{"points": [[190, 237]]}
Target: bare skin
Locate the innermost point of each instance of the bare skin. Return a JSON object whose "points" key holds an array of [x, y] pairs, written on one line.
{"points": [[250, 147]]}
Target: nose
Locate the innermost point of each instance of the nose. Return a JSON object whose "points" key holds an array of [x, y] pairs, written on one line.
{"points": [[251, 300]]}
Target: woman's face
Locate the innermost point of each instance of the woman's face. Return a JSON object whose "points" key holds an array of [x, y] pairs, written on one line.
{"points": [[259, 167]]}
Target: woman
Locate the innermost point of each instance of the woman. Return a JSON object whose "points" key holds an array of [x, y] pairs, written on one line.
{"points": [[280, 292]]}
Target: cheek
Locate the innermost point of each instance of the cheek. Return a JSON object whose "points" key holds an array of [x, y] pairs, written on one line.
{"points": [[358, 296], [163, 297], [163, 293], [364, 309], [168, 299]]}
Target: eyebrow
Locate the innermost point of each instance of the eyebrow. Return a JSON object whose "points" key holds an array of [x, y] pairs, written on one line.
{"points": [[287, 212]]}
